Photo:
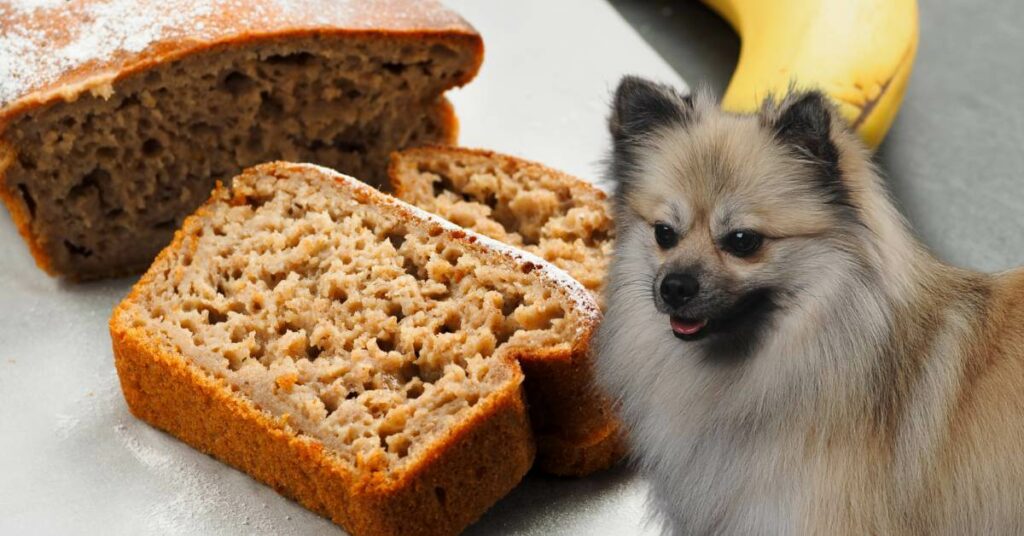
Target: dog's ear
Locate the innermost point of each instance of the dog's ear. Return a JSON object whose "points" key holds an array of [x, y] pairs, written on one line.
{"points": [[804, 122], [641, 107]]}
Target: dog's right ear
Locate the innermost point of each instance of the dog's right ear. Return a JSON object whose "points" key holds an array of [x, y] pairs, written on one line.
{"points": [[641, 107]]}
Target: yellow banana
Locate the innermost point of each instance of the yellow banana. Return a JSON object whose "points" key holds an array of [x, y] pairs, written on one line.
{"points": [[859, 52]]}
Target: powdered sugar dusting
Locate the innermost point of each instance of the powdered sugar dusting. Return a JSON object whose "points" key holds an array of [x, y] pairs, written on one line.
{"points": [[39, 52], [582, 297], [200, 503], [45, 43], [28, 6]]}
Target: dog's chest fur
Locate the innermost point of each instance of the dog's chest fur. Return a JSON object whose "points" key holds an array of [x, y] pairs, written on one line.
{"points": [[720, 478], [715, 474]]}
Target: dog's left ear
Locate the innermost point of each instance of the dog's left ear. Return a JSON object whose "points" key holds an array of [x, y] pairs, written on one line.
{"points": [[804, 122]]}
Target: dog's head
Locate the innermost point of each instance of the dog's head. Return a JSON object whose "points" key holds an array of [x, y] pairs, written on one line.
{"points": [[726, 220]]}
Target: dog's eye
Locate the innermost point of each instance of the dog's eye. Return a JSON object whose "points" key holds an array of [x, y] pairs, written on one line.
{"points": [[665, 236], [742, 243]]}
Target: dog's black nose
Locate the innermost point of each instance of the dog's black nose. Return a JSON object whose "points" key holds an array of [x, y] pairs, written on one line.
{"points": [[677, 289]]}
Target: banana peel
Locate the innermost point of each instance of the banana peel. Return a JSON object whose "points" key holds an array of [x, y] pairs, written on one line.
{"points": [[859, 52]]}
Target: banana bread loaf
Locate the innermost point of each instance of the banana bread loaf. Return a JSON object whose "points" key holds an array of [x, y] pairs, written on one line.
{"points": [[349, 350], [116, 116], [558, 217]]}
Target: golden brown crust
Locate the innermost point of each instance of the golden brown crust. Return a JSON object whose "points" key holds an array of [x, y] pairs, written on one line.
{"points": [[581, 456], [20, 214], [450, 121], [576, 429], [480, 462], [245, 23]]}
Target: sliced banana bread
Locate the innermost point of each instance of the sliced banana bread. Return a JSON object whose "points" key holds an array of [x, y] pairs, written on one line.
{"points": [[351, 351], [558, 217], [116, 117]]}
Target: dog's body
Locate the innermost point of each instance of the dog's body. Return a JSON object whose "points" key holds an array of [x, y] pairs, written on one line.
{"points": [[833, 377]]}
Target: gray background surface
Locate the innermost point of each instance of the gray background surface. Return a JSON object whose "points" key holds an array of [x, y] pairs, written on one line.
{"points": [[955, 154]]}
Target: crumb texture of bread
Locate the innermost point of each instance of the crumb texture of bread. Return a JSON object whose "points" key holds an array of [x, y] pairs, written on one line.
{"points": [[98, 180], [356, 322], [557, 217]]}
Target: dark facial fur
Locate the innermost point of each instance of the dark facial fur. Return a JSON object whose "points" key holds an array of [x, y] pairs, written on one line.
{"points": [[678, 161]]}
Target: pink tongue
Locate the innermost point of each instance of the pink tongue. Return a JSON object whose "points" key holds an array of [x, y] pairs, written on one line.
{"points": [[683, 327]]}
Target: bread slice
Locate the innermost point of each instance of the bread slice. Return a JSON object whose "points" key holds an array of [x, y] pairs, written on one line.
{"points": [[349, 350], [115, 120], [558, 217]]}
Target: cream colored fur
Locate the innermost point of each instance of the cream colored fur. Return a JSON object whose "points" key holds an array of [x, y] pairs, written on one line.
{"points": [[886, 395]]}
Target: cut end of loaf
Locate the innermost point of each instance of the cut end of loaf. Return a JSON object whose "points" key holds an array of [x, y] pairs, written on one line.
{"points": [[555, 216], [99, 184], [357, 320], [548, 213]]}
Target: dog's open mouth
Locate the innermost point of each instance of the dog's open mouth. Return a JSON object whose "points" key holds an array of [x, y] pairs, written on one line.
{"points": [[746, 315], [688, 329]]}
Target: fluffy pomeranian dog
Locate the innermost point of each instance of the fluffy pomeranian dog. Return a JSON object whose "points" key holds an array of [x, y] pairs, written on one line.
{"points": [[787, 357]]}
